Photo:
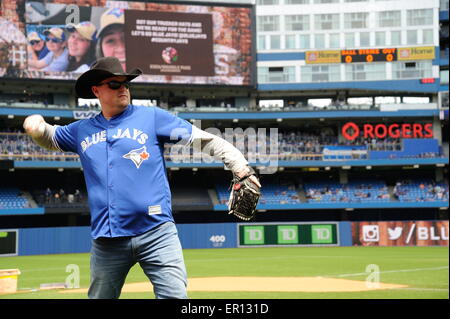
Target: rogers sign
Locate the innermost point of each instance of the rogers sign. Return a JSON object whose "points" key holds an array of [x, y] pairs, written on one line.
{"points": [[351, 131]]}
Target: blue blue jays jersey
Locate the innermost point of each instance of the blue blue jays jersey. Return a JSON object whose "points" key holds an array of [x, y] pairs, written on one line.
{"points": [[124, 167]]}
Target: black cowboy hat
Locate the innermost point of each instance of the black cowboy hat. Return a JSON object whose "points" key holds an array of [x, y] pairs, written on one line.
{"points": [[102, 68]]}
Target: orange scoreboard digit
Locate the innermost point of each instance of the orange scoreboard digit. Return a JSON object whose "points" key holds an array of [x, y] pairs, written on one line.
{"points": [[369, 55]]}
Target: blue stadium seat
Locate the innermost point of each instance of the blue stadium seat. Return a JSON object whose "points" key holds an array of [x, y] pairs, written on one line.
{"points": [[360, 191], [419, 190], [10, 198]]}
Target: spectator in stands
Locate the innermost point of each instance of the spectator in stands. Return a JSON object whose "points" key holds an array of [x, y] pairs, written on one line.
{"points": [[48, 195], [81, 46], [440, 195], [57, 59], [77, 196], [291, 146], [56, 198], [20, 144], [37, 49], [62, 195], [440, 192], [111, 36]]}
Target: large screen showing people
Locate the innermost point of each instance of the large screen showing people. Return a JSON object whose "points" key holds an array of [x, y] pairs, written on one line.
{"points": [[171, 43]]}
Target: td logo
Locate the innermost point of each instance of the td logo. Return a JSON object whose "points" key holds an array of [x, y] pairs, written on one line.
{"points": [[254, 235], [288, 234], [321, 234]]}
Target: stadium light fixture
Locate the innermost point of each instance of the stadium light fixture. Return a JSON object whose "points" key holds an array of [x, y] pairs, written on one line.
{"points": [[235, 120], [56, 118], [279, 120], [10, 116], [368, 167]]}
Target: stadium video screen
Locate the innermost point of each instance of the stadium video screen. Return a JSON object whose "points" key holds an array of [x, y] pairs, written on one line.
{"points": [[171, 43]]}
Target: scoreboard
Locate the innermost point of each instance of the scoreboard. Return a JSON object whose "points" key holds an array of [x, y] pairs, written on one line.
{"points": [[369, 55]]}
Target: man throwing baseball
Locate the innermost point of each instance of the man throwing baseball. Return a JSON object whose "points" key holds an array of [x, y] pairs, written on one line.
{"points": [[121, 152]]}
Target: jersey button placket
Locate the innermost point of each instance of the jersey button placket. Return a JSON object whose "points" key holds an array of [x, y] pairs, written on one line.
{"points": [[109, 181]]}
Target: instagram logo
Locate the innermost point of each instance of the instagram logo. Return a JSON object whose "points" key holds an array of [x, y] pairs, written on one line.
{"points": [[371, 233]]}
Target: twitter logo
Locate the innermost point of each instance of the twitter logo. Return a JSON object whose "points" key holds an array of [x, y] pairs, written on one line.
{"points": [[395, 233]]}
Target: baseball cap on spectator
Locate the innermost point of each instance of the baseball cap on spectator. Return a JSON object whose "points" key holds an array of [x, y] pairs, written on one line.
{"points": [[56, 32], [110, 17], [33, 36], [86, 29]]}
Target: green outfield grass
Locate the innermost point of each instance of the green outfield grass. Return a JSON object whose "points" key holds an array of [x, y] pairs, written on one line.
{"points": [[423, 269]]}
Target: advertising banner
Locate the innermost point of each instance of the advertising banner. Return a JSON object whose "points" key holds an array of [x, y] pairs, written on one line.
{"points": [[418, 53], [82, 115], [8, 242], [316, 57], [370, 55], [400, 233], [171, 43], [288, 234]]}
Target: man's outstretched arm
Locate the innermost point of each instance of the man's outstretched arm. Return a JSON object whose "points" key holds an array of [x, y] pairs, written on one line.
{"points": [[214, 145]]}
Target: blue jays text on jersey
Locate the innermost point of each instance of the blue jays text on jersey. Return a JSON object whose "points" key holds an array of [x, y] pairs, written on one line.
{"points": [[124, 167], [95, 138]]}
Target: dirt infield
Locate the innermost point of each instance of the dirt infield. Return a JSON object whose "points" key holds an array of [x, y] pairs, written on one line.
{"points": [[266, 284]]}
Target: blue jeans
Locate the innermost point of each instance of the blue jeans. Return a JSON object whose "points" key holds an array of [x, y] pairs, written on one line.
{"points": [[157, 251]]}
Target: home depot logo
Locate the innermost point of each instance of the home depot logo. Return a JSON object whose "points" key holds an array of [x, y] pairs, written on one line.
{"points": [[416, 53]]}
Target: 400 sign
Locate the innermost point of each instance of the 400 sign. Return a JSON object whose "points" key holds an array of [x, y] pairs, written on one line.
{"points": [[217, 240]]}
